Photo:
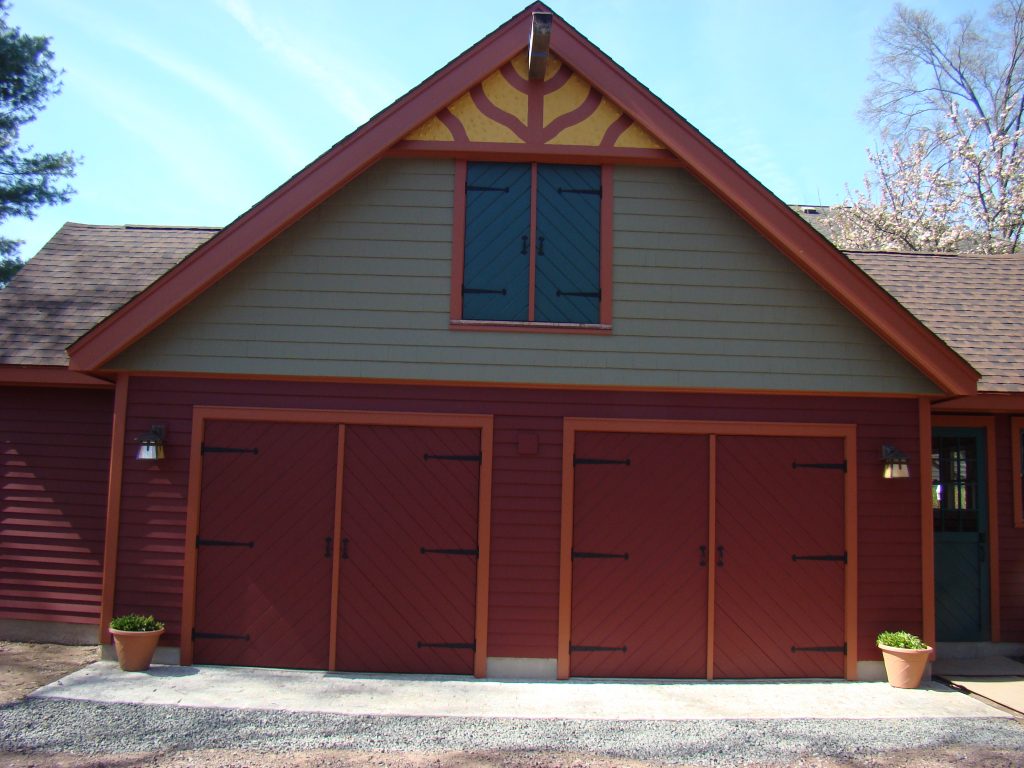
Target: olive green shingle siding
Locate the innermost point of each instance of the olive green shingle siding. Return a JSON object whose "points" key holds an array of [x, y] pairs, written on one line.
{"points": [[360, 288]]}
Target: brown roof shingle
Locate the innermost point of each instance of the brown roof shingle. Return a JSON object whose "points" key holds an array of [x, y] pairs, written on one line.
{"points": [[975, 303], [81, 276]]}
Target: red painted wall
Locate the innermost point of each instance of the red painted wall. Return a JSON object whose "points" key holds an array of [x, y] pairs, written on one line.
{"points": [[56, 450], [526, 490], [1011, 540]]}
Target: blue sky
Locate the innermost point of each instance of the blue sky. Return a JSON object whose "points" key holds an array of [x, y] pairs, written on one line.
{"points": [[189, 112]]}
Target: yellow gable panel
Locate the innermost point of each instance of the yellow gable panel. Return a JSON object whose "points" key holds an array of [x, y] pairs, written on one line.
{"points": [[565, 110]]}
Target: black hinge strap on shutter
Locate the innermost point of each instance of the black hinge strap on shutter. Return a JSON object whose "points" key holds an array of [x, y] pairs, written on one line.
{"points": [[216, 636], [468, 552], [577, 460], [832, 558], [600, 555], [500, 291], [571, 191], [222, 543], [841, 466], [820, 649], [597, 648], [583, 294], [453, 457], [457, 646], [220, 449], [478, 188]]}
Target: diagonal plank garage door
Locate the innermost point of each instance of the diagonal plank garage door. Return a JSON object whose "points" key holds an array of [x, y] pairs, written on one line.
{"points": [[780, 559], [639, 566], [263, 581], [410, 501]]}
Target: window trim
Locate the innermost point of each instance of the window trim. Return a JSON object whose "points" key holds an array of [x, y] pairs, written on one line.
{"points": [[1017, 469], [604, 324]]}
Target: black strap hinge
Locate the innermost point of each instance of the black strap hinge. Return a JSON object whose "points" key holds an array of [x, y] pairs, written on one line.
{"points": [[453, 457], [222, 543], [499, 291], [219, 449], [600, 555], [216, 636], [470, 552], [820, 649], [478, 188], [597, 648], [577, 460], [831, 558], [570, 191], [841, 466], [454, 646], [582, 294]]}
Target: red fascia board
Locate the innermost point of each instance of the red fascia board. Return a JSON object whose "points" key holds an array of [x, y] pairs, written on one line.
{"points": [[48, 376], [983, 402], [303, 192], [771, 217]]}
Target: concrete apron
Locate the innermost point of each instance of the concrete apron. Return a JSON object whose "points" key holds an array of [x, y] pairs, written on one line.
{"points": [[432, 696]]}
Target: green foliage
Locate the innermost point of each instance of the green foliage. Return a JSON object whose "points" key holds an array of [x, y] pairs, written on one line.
{"points": [[9, 266], [133, 622], [901, 640], [28, 179]]}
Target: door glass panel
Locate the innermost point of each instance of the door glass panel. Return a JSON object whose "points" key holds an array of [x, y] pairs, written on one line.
{"points": [[955, 502]]}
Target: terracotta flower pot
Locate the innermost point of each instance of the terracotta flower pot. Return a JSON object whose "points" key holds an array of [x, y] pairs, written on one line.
{"points": [[905, 666], [135, 649]]}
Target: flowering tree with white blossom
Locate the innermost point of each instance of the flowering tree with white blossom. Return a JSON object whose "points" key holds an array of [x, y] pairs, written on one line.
{"points": [[950, 106]]}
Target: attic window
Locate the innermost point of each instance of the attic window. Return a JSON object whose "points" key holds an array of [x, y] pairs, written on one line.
{"points": [[531, 245]]}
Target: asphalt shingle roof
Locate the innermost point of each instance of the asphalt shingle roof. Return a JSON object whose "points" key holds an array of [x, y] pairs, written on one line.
{"points": [[81, 276], [973, 302]]}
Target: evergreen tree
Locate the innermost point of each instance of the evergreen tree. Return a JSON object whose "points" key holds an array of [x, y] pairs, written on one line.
{"points": [[28, 179]]}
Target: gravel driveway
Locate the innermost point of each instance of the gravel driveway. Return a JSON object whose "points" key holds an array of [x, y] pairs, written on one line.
{"points": [[78, 733]]}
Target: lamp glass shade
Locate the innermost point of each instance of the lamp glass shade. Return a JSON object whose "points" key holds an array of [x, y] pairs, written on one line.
{"points": [[895, 470], [150, 451]]}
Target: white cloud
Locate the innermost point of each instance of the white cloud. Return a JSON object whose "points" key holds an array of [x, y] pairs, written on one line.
{"points": [[326, 74], [261, 122]]}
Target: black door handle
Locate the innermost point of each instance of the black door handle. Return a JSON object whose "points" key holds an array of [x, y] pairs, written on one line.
{"points": [[703, 556], [328, 541], [526, 245], [721, 557]]}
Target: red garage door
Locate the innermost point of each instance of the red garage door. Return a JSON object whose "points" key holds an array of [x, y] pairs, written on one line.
{"points": [[263, 580], [781, 559], [639, 559], [409, 550]]}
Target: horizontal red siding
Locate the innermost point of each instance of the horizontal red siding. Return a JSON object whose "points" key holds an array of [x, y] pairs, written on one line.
{"points": [[56, 449], [1011, 539], [526, 491]]}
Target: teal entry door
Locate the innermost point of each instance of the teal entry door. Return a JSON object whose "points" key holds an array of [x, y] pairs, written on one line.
{"points": [[960, 515]]}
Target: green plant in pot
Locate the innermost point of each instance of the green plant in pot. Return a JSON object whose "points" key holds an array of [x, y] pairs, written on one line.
{"points": [[905, 657], [135, 639]]}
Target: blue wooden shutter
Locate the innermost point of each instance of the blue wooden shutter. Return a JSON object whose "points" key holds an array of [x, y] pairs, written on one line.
{"points": [[568, 244], [496, 272]]}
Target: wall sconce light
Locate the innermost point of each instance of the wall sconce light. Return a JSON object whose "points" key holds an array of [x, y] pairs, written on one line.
{"points": [[151, 444], [894, 463]]}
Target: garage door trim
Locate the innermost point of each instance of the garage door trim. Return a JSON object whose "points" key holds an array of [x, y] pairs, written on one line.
{"points": [[846, 432], [202, 414]]}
